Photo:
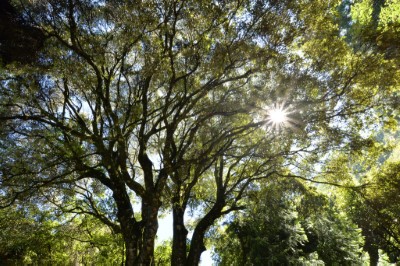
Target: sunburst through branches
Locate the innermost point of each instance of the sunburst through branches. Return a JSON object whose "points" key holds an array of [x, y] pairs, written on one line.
{"points": [[277, 116]]}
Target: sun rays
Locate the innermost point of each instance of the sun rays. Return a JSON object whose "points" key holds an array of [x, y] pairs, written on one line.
{"points": [[278, 116]]}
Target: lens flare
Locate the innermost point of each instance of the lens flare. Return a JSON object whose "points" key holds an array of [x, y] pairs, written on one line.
{"points": [[277, 116]]}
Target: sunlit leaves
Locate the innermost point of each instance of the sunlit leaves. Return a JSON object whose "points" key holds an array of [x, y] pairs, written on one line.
{"points": [[361, 12]]}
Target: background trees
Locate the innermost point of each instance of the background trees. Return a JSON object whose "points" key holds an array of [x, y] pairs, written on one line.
{"points": [[128, 108], [45, 236], [289, 224], [375, 210]]}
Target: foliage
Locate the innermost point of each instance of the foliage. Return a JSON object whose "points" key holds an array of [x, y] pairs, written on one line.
{"points": [[289, 223], [362, 190], [163, 253], [35, 236], [128, 108], [20, 40], [375, 209], [376, 24]]}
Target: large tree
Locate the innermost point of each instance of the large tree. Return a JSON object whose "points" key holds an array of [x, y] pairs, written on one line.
{"points": [[168, 105]]}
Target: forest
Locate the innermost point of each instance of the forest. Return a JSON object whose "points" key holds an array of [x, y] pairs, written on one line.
{"points": [[267, 130]]}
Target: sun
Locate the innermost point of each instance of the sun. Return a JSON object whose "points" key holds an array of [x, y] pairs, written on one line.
{"points": [[277, 116]]}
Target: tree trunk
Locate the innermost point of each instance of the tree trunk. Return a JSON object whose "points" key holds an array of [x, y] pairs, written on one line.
{"points": [[139, 237], [178, 257], [197, 244], [150, 207], [371, 248], [130, 250], [130, 228], [373, 253], [197, 247], [150, 201]]}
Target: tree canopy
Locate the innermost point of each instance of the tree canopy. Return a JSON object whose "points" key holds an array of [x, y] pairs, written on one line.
{"points": [[120, 110]]}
